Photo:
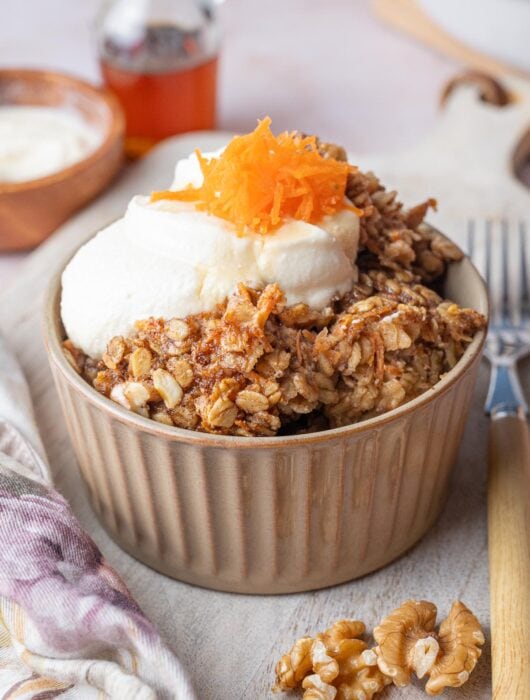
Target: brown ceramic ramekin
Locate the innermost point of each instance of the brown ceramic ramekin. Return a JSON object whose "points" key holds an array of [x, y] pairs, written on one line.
{"points": [[270, 515]]}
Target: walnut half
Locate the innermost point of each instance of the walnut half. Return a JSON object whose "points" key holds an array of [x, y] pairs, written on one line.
{"points": [[460, 638], [408, 643]]}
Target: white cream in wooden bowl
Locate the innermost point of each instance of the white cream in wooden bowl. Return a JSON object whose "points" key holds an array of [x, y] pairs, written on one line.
{"points": [[37, 141]]}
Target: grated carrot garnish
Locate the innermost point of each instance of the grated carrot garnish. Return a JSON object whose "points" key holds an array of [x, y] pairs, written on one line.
{"points": [[260, 180]]}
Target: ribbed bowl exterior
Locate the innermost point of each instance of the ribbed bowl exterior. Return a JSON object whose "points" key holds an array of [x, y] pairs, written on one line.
{"points": [[269, 520], [269, 515]]}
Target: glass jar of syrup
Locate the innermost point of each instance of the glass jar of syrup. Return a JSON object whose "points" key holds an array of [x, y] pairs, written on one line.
{"points": [[159, 57]]}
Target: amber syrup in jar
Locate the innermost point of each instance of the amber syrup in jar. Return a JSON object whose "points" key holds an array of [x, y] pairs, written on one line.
{"points": [[164, 82]]}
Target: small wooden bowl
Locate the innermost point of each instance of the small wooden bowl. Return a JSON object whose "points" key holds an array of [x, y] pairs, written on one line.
{"points": [[30, 211]]}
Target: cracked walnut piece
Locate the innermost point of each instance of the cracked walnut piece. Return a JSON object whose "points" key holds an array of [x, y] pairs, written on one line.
{"points": [[408, 642], [334, 665]]}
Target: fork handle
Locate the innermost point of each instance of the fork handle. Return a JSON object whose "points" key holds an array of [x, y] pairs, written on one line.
{"points": [[509, 554]]}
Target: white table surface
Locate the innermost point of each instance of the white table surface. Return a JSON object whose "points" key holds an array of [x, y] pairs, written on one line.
{"points": [[323, 66]]}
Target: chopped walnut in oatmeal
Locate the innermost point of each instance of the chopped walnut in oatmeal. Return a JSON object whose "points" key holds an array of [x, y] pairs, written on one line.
{"points": [[254, 367]]}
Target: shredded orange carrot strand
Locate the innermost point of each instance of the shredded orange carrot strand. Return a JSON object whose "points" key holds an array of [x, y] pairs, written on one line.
{"points": [[260, 180]]}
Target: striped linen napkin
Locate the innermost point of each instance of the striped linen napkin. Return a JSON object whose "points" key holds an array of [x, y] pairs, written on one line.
{"points": [[69, 627]]}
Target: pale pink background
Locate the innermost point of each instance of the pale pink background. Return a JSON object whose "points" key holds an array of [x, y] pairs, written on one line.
{"points": [[323, 66]]}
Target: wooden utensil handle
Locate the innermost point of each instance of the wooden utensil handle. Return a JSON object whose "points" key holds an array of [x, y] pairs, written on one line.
{"points": [[509, 556]]}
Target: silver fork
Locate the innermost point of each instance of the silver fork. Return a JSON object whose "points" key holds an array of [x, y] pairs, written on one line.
{"points": [[505, 263]]}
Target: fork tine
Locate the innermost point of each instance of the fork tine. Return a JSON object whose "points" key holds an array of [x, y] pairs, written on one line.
{"points": [[493, 269], [524, 256], [517, 265], [487, 262], [479, 250], [505, 278]]}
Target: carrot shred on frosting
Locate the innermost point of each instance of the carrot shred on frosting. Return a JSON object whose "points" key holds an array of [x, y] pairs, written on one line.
{"points": [[260, 180]]}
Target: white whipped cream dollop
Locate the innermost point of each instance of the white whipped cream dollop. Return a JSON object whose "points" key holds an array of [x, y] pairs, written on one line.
{"points": [[167, 259]]}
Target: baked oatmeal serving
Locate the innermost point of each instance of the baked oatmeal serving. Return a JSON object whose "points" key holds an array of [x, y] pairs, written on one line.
{"points": [[275, 288]]}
